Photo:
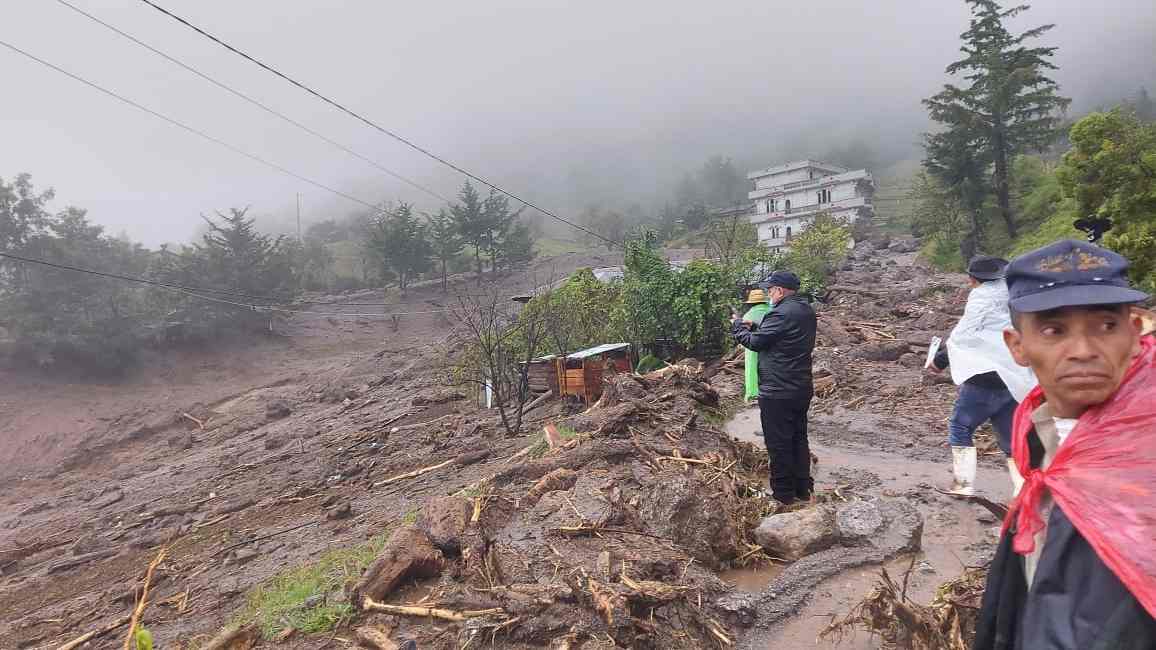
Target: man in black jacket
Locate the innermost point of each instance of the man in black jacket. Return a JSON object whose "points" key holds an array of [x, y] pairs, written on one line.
{"points": [[784, 340]]}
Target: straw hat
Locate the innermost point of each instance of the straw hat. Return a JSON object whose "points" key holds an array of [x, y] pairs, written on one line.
{"points": [[756, 297]]}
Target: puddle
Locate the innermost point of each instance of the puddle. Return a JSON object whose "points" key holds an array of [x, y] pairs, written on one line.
{"points": [[752, 579]]}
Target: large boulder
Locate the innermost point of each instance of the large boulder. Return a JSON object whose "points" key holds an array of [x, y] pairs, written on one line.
{"points": [[857, 519], [679, 507], [792, 535], [935, 321], [832, 331]]}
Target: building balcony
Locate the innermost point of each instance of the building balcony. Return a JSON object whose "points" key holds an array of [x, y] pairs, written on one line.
{"points": [[832, 179], [812, 209]]}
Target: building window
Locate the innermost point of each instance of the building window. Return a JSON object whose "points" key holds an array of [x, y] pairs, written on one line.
{"points": [[788, 233], [770, 206], [824, 196], [787, 206]]}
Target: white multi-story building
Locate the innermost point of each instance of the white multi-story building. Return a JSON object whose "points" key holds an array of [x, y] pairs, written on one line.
{"points": [[789, 196]]}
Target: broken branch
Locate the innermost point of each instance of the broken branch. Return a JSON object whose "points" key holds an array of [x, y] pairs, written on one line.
{"points": [[144, 599], [372, 605], [416, 472], [85, 638]]}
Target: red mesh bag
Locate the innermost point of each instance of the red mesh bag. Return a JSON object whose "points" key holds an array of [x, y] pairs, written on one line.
{"points": [[1103, 476]]}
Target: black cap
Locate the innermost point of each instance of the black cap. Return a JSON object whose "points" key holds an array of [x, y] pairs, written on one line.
{"points": [[1069, 274], [784, 279], [986, 267]]}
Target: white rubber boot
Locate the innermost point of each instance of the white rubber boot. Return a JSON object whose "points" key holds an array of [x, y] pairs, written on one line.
{"points": [[1016, 478], [963, 465]]}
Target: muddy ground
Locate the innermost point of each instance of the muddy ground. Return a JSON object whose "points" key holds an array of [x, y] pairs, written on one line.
{"points": [[202, 452]]}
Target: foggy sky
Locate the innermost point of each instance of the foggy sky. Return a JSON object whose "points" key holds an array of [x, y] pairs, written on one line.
{"points": [[566, 102]]}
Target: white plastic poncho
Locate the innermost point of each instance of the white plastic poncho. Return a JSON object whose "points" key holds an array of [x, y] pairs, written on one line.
{"points": [[976, 344]]}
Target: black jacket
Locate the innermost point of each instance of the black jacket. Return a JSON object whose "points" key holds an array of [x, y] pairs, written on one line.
{"points": [[986, 380], [1076, 602], [784, 340]]}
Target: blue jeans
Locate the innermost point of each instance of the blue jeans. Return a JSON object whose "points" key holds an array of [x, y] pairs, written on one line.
{"points": [[976, 405]]}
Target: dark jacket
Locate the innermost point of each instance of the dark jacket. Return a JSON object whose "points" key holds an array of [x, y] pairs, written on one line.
{"points": [[988, 380], [1076, 602], [784, 340]]}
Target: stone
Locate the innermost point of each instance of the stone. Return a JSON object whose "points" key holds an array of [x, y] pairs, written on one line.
{"points": [[107, 499], [277, 410], [934, 321], [832, 330], [437, 398], [340, 511], [792, 535], [678, 506], [445, 520], [408, 555], [274, 442], [857, 519], [181, 441], [918, 339], [883, 351], [911, 360]]}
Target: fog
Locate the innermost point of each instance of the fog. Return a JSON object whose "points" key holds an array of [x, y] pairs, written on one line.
{"points": [[567, 103]]}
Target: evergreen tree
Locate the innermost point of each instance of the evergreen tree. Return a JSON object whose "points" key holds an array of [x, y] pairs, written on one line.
{"points": [[238, 257], [470, 217], [400, 244], [445, 241], [517, 248], [1008, 106]]}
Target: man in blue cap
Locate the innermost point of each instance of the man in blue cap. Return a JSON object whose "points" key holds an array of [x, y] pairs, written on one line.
{"points": [[1076, 564], [784, 341]]}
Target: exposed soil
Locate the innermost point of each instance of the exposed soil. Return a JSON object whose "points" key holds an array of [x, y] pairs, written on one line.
{"points": [[204, 451]]}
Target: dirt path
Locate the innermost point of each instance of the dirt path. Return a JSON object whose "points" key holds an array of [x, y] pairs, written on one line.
{"points": [[955, 533]]}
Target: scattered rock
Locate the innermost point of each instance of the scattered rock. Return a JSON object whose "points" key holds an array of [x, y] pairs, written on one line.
{"points": [[857, 519], [107, 499], [233, 506], [935, 321], [36, 507], [884, 351], [911, 360], [792, 535], [437, 398], [277, 410], [444, 520], [408, 555], [274, 442], [229, 587], [918, 339], [340, 511], [243, 555], [832, 330], [680, 508]]}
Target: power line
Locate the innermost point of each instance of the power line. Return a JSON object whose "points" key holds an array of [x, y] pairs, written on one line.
{"points": [[198, 291], [186, 127], [374, 125], [254, 102]]}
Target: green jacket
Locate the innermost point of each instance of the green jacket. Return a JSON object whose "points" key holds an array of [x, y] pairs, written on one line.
{"points": [[751, 360]]}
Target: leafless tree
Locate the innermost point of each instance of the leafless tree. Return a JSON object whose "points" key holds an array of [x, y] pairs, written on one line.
{"points": [[499, 344]]}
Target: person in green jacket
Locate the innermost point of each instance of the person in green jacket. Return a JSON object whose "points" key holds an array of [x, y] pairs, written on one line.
{"points": [[759, 306]]}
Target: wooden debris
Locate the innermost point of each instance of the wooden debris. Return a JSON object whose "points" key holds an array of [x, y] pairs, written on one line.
{"points": [[415, 473], [200, 423], [553, 438], [85, 638], [408, 555], [538, 401], [559, 479], [234, 637], [142, 602], [370, 605], [85, 558]]}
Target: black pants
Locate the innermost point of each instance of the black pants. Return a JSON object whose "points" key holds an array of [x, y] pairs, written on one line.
{"points": [[785, 434]]}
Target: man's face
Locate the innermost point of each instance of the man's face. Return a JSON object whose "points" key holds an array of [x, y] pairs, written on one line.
{"points": [[1079, 354], [775, 294]]}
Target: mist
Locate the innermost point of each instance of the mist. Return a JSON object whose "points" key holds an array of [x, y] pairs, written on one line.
{"points": [[567, 104]]}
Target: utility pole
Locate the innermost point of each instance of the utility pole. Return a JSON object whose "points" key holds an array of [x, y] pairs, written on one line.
{"points": [[299, 218]]}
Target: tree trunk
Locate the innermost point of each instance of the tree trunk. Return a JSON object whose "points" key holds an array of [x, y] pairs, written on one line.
{"points": [[445, 284], [969, 246], [478, 261], [1002, 189]]}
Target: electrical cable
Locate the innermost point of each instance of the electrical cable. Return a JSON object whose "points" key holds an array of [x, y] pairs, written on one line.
{"points": [[254, 102], [186, 127], [374, 125]]}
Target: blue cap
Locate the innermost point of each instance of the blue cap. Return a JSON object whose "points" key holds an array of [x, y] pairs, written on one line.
{"points": [[1069, 274], [784, 279]]}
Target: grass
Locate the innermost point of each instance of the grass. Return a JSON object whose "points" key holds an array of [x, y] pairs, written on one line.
{"points": [[540, 446], [725, 411], [549, 247], [281, 601]]}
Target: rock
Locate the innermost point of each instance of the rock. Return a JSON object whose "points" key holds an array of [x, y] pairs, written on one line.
{"points": [[408, 555], [181, 441], [934, 379], [444, 520], [232, 506], [277, 410], [274, 442], [881, 241], [857, 519], [833, 331], [792, 535], [36, 508], [918, 339], [107, 499], [88, 543], [985, 517], [904, 246], [243, 555], [911, 360], [883, 351], [934, 321], [678, 506], [340, 511], [741, 608], [229, 587]]}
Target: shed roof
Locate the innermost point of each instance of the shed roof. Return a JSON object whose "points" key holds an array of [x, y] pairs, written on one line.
{"points": [[596, 350]]}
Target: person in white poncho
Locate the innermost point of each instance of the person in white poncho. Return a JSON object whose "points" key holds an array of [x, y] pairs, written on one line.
{"points": [[991, 384]]}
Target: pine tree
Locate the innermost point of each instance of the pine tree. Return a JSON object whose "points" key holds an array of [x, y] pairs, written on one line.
{"points": [[470, 217], [1009, 105], [400, 244], [445, 241]]}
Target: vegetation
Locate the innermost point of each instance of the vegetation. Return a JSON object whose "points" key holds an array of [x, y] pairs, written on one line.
{"points": [[1008, 107], [307, 598]]}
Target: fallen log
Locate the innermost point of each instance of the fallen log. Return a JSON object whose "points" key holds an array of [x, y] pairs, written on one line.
{"points": [[85, 638], [576, 458], [371, 605], [234, 637], [538, 401], [85, 558], [138, 611], [415, 473]]}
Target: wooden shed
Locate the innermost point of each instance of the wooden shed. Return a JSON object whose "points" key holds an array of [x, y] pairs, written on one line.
{"points": [[581, 373], [541, 375]]}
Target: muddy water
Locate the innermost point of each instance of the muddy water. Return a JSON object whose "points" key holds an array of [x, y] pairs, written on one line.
{"points": [[955, 533]]}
